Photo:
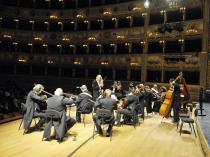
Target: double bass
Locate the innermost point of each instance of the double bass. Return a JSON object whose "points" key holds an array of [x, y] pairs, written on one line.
{"points": [[167, 104]]}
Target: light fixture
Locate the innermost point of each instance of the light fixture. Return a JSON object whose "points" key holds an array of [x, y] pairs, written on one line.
{"points": [[65, 39], [77, 62], [50, 62], [91, 38], [53, 17], [146, 4], [22, 60]]}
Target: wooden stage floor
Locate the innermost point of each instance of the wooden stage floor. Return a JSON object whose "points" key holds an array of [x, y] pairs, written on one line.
{"points": [[151, 139]]}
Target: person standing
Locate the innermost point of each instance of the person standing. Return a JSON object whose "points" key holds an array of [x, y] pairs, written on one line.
{"points": [[176, 104], [97, 86]]}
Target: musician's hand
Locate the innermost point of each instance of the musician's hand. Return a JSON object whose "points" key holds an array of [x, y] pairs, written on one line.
{"points": [[73, 98], [45, 97]]}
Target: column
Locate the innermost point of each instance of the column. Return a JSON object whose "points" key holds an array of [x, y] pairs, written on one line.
{"points": [[203, 69], [205, 46], [75, 25], [16, 23], [30, 70], [131, 21], [86, 73], [115, 48], [116, 23], [145, 50], [102, 24], [76, 1], [113, 74], [45, 71], [59, 71], [87, 49], [15, 69], [128, 74], [89, 3], [73, 72]]}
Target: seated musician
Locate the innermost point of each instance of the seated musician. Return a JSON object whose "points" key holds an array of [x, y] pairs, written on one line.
{"points": [[58, 103], [82, 99], [120, 91], [105, 102], [148, 98], [34, 98], [131, 100]]}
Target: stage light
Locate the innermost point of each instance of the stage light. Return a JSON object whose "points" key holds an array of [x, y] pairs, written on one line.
{"points": [[146, 4]]}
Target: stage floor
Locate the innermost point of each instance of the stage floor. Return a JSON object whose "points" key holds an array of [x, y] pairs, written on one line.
{"points": [[151, 138]]}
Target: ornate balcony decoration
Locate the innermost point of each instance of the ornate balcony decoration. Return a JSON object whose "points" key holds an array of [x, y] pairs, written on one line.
{"points": [[192, 60], [174, 3], [135, 61], [154, 60]]}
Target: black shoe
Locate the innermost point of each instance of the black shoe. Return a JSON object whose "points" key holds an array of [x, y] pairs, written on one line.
{"points": [[78, 121], [47, 139], [100, 132], [107, 134], [59, 140]]}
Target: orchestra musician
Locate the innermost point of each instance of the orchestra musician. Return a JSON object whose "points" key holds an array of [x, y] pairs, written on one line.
{"points": [[117, 89], [129, 103], [176, 104], [58, 103], [81, 101], [105, 102], [97, 86], [34, 98]]}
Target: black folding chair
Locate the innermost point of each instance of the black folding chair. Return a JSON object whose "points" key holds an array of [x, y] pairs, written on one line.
{"points": [[50, 117], [106, 117], [88, 108], [23, 111]]}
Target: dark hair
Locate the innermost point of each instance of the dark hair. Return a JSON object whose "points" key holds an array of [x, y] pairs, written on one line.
{"points": [[171, 80]]}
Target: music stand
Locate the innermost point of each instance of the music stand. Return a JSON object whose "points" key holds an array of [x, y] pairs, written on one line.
{"points": [[201, 103]]}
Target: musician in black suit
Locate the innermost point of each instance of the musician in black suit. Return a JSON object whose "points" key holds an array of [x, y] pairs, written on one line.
{"points": [[58, 103], [176, 104], [81, 101], [34, 98], [97, 85], [108, 103], [132, 101]]}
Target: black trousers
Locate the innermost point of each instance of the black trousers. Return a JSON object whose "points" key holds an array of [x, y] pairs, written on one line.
{"points": [[97, 120], [176, 109]]}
